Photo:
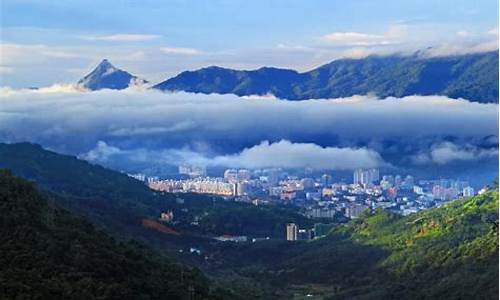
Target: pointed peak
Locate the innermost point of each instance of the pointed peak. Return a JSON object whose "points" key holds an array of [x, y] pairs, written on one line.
{"points": [[105, 75], [105, 63]]}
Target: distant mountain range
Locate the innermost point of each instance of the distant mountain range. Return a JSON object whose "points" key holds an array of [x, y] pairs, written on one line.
{"points": [[107, 76], [472, 76]]}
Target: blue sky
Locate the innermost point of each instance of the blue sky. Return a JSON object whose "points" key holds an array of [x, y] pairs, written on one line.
{"points": [[44, 42]]}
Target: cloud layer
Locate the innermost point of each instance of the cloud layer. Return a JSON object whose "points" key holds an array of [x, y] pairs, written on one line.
{"points": [[140, 126]]}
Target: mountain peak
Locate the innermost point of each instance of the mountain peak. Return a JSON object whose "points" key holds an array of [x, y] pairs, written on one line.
{"points": [[107, 76], [105, 63]]}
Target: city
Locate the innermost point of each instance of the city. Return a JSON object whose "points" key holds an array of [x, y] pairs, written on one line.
{"points": [[318, 197]]}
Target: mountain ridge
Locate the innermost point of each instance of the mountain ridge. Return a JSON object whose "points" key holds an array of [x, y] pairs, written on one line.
{"points": [[470, 76]]}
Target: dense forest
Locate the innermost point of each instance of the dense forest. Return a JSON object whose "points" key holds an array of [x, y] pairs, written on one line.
{"points": [[49, 254]]}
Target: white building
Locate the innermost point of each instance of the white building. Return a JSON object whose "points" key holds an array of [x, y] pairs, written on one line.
{"points": [[468, 192], [291, 232]]}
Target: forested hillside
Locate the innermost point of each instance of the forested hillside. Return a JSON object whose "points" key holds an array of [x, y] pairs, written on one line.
{"points": [[49, 254], [449, 252]]}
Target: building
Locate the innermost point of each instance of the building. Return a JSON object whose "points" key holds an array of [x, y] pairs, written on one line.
{"points": [[287, 195], [192, 171], [408, 182], [214, 186], [418, 190], [231, 175], [318, 212], [366, 177], [326, 180], [139, 176], [468, 192], [167, 217], [244, 175], [231, 238], [241, 188], [291, 232], [304, 235], [273, 176], [307, 183], [398, 180], [355, 210]]}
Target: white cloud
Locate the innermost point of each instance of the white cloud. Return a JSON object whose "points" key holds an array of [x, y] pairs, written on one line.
{"points": [[53, 89], [300, 155], [282, 154], [463, 33], [448, 152], [391, 36], [493, 31], [453, 48], [6, 70], [27, 54], [180, 51], [226, 129], [355, 38], [101, 153], [123, 37], [406, 39]]}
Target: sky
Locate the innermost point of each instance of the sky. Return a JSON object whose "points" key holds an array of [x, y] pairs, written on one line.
{"points": [[47, 42]]}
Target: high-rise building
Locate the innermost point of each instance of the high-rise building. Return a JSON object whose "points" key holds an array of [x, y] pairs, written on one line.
{"points": [[355, 210], [244, 174], [307, 183], [241, 188], [192, 171], [366, 176], [374, 175], [291, 232], [408, 182], [326, 180], [273, 176], [398, 180], [231, 175]]}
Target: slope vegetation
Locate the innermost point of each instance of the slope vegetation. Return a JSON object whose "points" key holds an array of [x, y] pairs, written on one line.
{"points": [[49, 254]]}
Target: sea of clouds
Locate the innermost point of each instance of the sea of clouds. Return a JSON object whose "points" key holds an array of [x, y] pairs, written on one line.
{"points": [[140, 127]]}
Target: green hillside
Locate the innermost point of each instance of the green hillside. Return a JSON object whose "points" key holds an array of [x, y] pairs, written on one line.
{"points": [[49, 254], [450, 252]]}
